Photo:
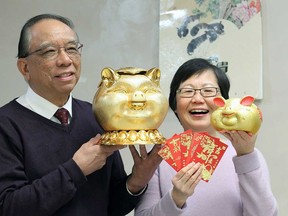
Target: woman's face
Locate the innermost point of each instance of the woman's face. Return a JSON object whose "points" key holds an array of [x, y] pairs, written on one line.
{"points": [[194, 113]]}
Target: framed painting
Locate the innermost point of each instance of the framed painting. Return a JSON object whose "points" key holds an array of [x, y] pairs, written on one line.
{"points": [[227, 32]]}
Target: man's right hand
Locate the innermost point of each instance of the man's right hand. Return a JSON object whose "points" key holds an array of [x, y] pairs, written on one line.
{"points": [[91, 156]]}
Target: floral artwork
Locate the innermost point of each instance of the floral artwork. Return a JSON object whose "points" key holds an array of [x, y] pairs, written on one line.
{"points": [[242, 11], [226, 32], [238, 12]]}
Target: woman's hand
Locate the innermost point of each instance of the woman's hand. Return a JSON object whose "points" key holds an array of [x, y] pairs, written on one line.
{"points": [[243, 142], [185, 181]]}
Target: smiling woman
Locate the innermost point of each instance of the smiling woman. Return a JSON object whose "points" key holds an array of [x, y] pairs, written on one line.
{"points": [[136, 44], [199, 104], [193, 89]]}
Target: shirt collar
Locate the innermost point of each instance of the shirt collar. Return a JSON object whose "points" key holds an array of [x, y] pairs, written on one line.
{"points": [[44, 107]]}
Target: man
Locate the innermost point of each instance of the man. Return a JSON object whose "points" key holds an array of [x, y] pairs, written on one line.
{"points": [[51, 167]]}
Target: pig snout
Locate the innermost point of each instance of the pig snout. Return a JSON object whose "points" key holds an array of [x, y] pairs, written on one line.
{"points": [[138, 100]]}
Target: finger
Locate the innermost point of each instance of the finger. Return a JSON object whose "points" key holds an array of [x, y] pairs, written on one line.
{"points": [[199, 169], [197, 175], [235, 135], [247, 138], [198, 179], [95, 140], [183, 171], [143, 151], [188, 167], [242, 135], [153, 154], [156, 148], [134, 153], [194, 169], [226, 134], [245, 135]]}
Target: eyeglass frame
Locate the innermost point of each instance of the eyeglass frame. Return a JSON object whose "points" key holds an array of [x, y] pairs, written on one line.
{"points": [[78, 50], [195, 90]]}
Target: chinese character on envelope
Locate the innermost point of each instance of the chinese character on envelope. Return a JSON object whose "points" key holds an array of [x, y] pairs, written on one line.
{"points": [[184, 148]]}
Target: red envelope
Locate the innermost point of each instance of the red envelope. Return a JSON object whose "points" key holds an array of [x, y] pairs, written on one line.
{"points": [[165, 153], [184, 148], [174, 146], [197, 137], [209, 153], [186, 140]]}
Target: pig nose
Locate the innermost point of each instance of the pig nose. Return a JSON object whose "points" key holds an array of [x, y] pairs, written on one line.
{"points": [[138, 96], [138, 100]]}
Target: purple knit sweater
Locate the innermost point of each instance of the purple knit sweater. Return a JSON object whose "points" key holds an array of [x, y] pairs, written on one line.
{"points": [[38, 175], [239, 187]]}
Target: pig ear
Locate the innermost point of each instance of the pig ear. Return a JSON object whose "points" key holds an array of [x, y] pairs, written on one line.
{"points": [[109, 77], [154, 75], [247, 100], [219, 101]]}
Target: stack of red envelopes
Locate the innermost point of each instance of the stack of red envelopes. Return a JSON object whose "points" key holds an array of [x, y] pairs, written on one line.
{"points": [[184, 148]]}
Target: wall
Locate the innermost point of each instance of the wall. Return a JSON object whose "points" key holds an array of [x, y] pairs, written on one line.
{"points": [[120, 33], [272, 141]]}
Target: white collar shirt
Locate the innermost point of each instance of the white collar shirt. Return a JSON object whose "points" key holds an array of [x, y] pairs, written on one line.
{"points": [[43, 107]]}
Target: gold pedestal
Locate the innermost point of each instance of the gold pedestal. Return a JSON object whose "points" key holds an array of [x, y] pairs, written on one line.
{"points": [[132, 137]]}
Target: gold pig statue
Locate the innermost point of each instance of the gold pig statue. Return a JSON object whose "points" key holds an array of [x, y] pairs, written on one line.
{"points": [[236, 114], [130, 106]]}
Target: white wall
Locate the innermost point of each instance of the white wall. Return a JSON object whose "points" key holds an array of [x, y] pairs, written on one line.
{"points": [[120, 33], [272, 141]]}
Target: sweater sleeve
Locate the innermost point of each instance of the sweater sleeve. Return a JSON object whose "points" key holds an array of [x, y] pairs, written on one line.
{"points": [[154, 203], [255, 190]]}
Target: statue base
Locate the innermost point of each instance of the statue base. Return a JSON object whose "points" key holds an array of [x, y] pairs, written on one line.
{"points": [[132, 137]]}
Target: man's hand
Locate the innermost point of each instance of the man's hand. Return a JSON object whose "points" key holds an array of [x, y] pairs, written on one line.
{"points": [[91, 156], [144, 167]]}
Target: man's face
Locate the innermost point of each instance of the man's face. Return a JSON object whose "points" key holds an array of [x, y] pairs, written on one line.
{"points": [[54, 77]]}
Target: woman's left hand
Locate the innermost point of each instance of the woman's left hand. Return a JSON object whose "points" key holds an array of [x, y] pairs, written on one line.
{"points": [[243, 142]]}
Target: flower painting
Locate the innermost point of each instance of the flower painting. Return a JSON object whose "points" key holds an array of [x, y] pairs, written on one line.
{"points": [[227, 32]]}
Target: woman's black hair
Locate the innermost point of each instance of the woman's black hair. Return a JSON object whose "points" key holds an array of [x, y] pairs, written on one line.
{"points": [[192, 67]]}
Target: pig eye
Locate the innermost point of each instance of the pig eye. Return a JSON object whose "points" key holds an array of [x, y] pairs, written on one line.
{"points": [[151, 91], [118, 90], [123, 91]]}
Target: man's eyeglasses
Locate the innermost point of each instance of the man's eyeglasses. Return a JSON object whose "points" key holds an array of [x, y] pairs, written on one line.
{"points": [[51, 52], [190, 92]]}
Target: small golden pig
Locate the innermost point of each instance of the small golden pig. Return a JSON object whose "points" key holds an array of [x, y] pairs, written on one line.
{"points": [[236, 114], [130, 106]]}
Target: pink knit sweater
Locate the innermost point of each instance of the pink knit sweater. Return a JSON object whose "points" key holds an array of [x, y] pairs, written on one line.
{"points": [[240, 186]]}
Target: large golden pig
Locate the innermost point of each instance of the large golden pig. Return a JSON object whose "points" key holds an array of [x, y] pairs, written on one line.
{"points": [[130, 106], [236, 114]]}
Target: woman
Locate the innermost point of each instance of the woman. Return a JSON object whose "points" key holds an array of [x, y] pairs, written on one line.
{"points": [[240, 184]]}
